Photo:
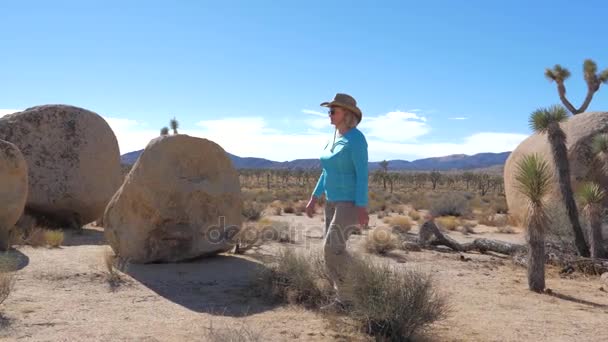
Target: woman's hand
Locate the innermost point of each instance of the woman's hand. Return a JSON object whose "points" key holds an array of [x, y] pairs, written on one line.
{"points": [[362, 216], [310, 207]]}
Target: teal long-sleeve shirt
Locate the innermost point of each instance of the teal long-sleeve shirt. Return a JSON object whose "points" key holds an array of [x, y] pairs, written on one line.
{"points": [[345, 173]]}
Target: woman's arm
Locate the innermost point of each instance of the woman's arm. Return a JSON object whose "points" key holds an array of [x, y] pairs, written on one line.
{"points": [[320, 188], [360, 158]]}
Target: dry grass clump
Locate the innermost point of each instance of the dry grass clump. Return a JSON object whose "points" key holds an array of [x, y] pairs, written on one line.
{"points": [[400, 224], [240, 333], [381, 241], [53, 238], [420, 201], [270, 230], [499, 205], [295, 278], [448, 222], [35, 237], [493, 220], [275, 208], [252, 211], [393, 304], [467, 228], [7, 276], [114, 265], [450, 204], [506, 230], [414, 215]]}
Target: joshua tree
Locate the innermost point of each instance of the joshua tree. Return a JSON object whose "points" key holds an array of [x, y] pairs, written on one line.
{"points": [[174, 125], [435, 176], [591, 197], [547, 120], [533, 177], [164, 131], [560, 74]]}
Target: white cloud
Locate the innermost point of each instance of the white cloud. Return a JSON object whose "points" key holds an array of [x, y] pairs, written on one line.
{"points": [[4, 111], [390, 136], [458, 118], [314, 112], [476, 143], [396, 126]]}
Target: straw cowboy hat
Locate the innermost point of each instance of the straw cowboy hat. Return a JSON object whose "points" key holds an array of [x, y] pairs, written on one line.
{"points": [[345, 101]]}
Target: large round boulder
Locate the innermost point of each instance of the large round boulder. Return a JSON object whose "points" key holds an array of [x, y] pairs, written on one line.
{"points": [[580, 130], [13, 189], [181, 200], [73, 161]]}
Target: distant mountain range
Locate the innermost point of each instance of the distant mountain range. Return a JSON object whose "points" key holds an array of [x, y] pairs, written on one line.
{"points": [[451, 162]]}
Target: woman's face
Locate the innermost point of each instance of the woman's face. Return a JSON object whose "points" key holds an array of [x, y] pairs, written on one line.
{"points": [[336, 114]]}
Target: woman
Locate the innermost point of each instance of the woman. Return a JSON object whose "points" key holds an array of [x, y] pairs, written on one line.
{"points": [[344, 183]]}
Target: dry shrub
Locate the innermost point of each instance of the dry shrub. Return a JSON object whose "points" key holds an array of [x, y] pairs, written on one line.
{"points": [[376, 206], [420, 201], [7, 276], [414, 215], [400, 224], [300, 207], [493, 220], [499, 205], [392, 303], [295, 278], [242, 332], [506, 230], [53, 238], [381, 241], [448, 222], [36, 237], [386, 219], [270, 230], [114, 265], [450, 204], [252, 211], [467, 228]]}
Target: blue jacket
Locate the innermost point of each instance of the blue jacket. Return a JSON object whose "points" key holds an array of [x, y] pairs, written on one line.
{"points": [[345, 173]]}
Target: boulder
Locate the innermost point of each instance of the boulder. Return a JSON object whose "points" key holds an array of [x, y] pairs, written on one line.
{"points": [[580, 130], [13, 189], [73, 161], [181, 200]]}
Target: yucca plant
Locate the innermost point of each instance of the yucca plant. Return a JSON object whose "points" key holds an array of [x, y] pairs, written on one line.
{"points": [[546, 121], [164, 131], [533, 177], [599, 146], [174, 124], [559, 75], [591, 197]]}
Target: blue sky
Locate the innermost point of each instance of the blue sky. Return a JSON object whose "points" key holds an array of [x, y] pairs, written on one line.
{"points": [[250, 74]]}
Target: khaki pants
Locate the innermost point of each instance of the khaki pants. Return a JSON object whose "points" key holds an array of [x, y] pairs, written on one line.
{"points": [[340, 221]]}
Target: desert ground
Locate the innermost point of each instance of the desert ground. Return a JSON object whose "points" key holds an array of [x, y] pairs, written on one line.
{"points": [[64, 294]]}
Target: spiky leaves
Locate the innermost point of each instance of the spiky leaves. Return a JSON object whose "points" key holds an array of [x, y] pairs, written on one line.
{"points": [[591, 197], [604, 76], [558, 74], [174, 124], [599, 147], [542, 118], [164, 131], [533, 178]]}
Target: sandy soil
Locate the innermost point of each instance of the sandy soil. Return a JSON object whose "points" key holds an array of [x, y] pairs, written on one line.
{"points": [[63, 295]]}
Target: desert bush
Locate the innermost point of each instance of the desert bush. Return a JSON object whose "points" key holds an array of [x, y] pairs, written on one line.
{"points": [[386, 219], [499, 205], [274, 230], [295, 278], [393, 303], [114, 265], [376, 206], [420, 201], [380, 241], [467, 228], [506, 230], [242, 332], [35, 237], [7, 276], [490, 219], [448, 222], [252, 211], [414, 215], [450, 204], [400, 224], [53, 238]]}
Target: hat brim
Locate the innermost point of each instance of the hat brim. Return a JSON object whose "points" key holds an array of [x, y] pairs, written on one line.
{"points": [[355, 110]]}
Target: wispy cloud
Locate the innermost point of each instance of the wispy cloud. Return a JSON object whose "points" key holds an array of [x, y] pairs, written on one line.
{"points": [[396, 126], [4, 111], [314, 112], [458, 118]]}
